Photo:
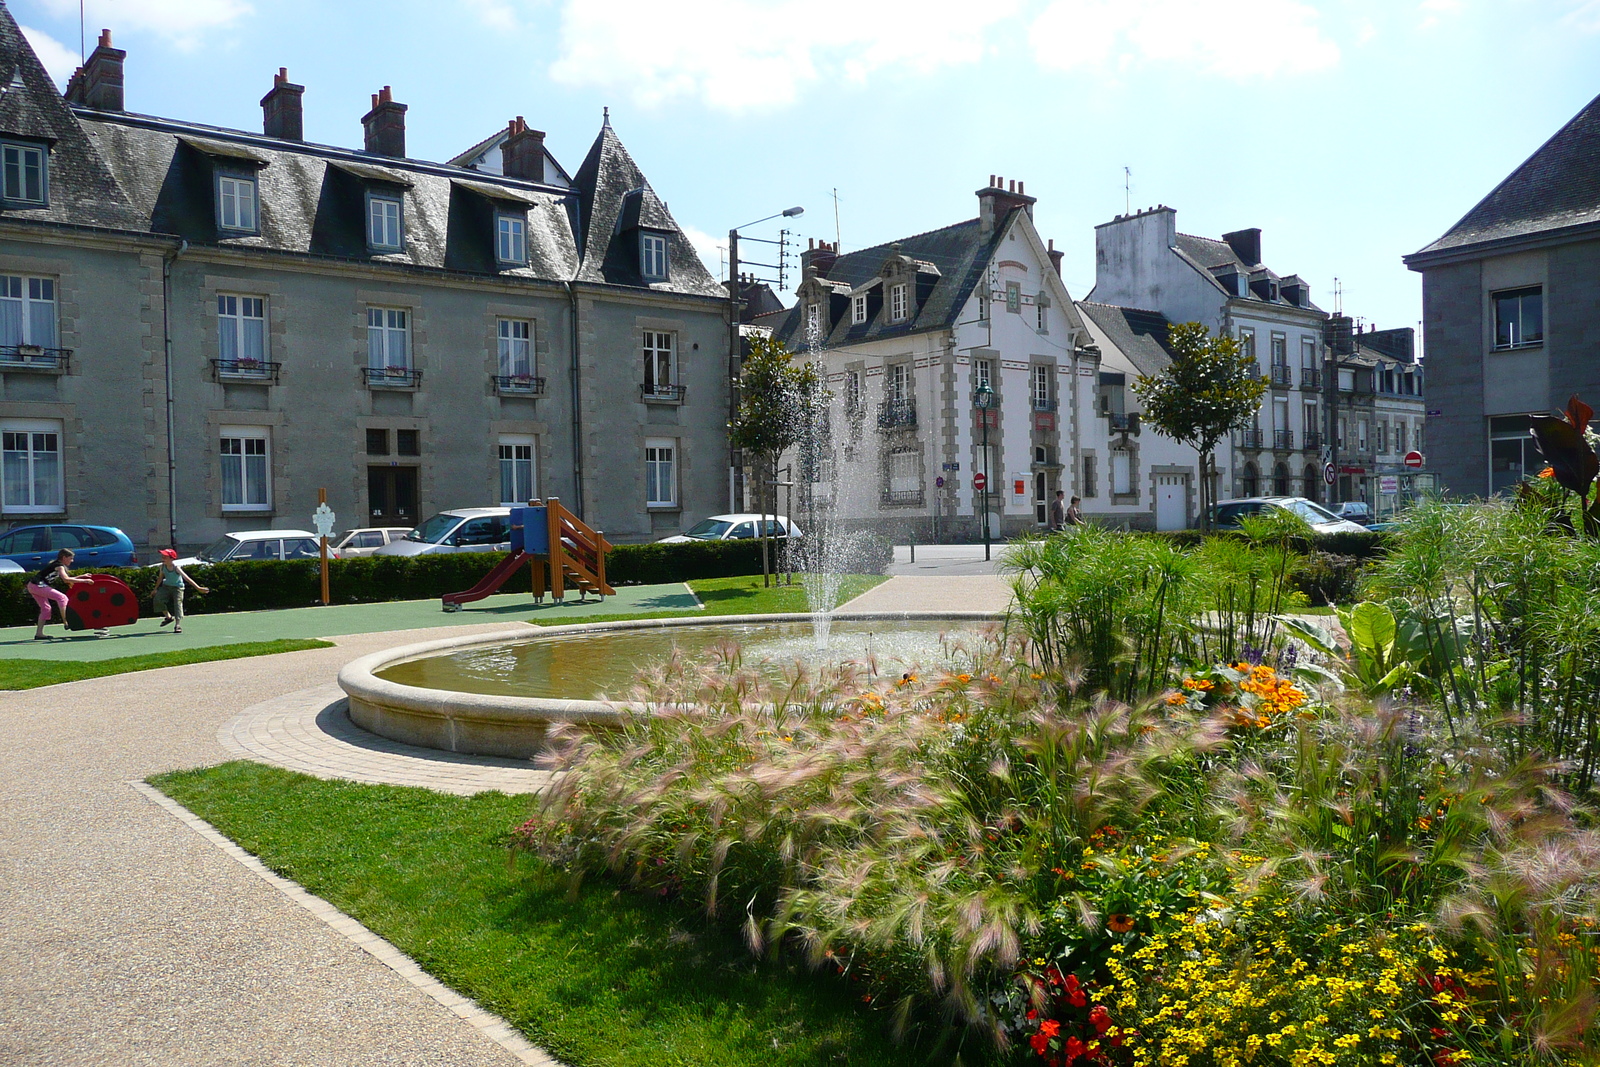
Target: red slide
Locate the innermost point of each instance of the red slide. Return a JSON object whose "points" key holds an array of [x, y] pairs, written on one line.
{"points": [[489, 583]]}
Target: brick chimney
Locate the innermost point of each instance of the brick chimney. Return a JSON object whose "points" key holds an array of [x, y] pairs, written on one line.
{"points": [[819, 255], [385, 126], [281, 113], [1246, 244], [522, 154], [98, 83], [997, 200], [1056, 257]]}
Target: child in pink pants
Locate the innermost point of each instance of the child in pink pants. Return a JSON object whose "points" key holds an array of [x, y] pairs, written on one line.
{"points": [[47, 596]]}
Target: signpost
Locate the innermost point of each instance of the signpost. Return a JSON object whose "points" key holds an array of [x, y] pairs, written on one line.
{"points": [[1328, 473], [1413, 459], [322, 520], [979, 482], [1389, 484]]}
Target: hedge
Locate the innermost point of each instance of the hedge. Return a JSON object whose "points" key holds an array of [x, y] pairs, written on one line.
{"points": [[260, 585]]}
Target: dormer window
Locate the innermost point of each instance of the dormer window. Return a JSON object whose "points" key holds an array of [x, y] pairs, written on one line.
{"points": [[384, 228], [511, 240], [236, 204], [898, 305], [23, 177], [653, 257], [858, 309]]}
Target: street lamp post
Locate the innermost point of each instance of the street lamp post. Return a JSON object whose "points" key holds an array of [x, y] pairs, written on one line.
{"points": [[733, 342], [985, 402]]}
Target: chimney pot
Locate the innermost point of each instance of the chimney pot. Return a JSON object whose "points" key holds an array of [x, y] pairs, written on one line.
{"points": [[1019, 187], [282, 114], [385, 126], [522, 154], [98, 83], [105, 38]]}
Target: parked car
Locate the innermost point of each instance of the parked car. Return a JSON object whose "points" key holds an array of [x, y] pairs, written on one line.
{"points": [[10, 566], [96, 547], [735, 528], [458, 530], [257, 545], [1354, 510], [366, 542], [1229, 512]]}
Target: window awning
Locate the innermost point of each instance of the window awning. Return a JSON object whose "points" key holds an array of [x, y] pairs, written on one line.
{"points": [[362, 172], [501, 193], [231, 153]]}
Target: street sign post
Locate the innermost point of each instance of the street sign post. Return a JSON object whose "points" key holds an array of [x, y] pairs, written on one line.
{"points": [[1413, 460], [322, 520]]}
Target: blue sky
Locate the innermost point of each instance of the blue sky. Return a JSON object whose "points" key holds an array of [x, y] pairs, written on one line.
{"points": [[1349, 131]]}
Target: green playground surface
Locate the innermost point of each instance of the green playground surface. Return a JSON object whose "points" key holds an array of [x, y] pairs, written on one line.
{"points": [[205, 631]]}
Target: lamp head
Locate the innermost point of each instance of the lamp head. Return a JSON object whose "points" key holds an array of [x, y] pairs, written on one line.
{"points": [[790, 213]]}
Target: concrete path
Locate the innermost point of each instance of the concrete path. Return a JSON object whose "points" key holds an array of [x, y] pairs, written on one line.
{"points": [[987, 592], [947, 559]]}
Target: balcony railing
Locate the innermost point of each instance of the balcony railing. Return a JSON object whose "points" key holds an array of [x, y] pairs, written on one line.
{"points": [[393, 378], [1282, 376], [897, 414], [1250, 438], [1283, 440], [518, 385], [1310, 378], [246, 370], [656, 393], [1123, 422], [901, 498], [1041, 404], [1312, 441], [35, 358]]}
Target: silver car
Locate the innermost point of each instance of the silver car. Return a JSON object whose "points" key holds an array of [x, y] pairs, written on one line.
{"points": [[1229, 512], [367, 541], [459, 530]]}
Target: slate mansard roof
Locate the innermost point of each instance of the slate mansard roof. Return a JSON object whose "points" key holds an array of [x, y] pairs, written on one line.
{"points": [[139, 174], [1212, 257], [1557, 188], [958, 256]]}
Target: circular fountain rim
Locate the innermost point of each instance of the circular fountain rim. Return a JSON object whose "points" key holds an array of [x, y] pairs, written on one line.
{"points": [[490, 724]]}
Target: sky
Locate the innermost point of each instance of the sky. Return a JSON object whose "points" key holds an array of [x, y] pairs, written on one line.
{"points": [[1351, 132]]}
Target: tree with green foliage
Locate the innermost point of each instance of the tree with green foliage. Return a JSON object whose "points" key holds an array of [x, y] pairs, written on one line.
{"points": [[1211, 388], [773, 395]]}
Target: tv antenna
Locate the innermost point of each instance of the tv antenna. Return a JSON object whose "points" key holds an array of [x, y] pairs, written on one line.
{"points": [[1127, 191], [836, 218]]}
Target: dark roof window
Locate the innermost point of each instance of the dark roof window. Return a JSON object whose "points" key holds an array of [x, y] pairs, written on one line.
{"points": [[24, 174]]}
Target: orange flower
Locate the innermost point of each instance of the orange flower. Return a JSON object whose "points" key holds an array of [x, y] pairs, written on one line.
{"points": [[1548, 472], [1120, 923], [1177, 698]]}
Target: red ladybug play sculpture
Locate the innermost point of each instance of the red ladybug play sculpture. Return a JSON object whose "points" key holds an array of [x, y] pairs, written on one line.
{"points": [[108, 602]]}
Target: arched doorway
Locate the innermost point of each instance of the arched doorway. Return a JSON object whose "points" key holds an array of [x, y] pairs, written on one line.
{"points": [[1249, 481], [1313, 483], [1280, 479]]}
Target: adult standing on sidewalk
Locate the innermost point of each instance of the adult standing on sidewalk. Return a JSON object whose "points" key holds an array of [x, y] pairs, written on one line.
{"points": [[169, 593], [1058, 512], [1074, 516], [47, 596]]}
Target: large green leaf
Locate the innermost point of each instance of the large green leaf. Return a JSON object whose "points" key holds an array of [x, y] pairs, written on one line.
{"points": [[1372, 632]]}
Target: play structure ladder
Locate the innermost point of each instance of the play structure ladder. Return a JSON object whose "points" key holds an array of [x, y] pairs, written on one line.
{"points": [[563, 551]]}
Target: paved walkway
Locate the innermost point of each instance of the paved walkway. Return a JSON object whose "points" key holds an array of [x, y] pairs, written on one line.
{"points": [[985, 592], [947, 559]]}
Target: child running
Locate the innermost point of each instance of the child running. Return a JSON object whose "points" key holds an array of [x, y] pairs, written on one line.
{"points": [[169, 594], [47, 596]]}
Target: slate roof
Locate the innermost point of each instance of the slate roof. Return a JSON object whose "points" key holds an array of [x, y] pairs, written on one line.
{"points": [[1205, 253], [958, 253], [1556, 188], [137, 173], [1138, 334]]}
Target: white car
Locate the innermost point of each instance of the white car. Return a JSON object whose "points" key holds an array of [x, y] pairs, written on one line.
{"points": [[257, 545], [458, 530], [1229, 512], [366, 541], [735, 528]]}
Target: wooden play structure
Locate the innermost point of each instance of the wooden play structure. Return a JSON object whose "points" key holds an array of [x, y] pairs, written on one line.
{"points": [[564, 553]]}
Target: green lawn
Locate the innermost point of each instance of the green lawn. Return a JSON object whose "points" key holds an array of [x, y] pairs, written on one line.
{"points": [[33, 673], [744, 596], [598, 977]]}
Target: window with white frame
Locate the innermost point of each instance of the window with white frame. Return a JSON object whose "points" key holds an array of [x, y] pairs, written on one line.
{"points": [[1361, 434], [660, 361], [982, 374], [384, 228], [511, 239], [1280, 350], [517, 482], [904, 477], [1121, 472], [898, 305], [983, 307], [858, 309], [241, 333], [1310, 425], [27, 311], [388, 339], [24, 176], [897, 382], [1247, 342], [1041, 311], [1308, 353], [813, 318], [516, 348], [1041, 387], [246, 468], [653, 257], [660, 472], [31, 460], [853, 402], [1519, 317], [236, 203]]}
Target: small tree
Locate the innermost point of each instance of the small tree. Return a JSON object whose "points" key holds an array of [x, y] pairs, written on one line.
{"points": [[1210, 389], [770, 419]]}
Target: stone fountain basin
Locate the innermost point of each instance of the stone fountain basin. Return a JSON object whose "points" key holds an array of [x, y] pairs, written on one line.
{"points": [[484, 724]]}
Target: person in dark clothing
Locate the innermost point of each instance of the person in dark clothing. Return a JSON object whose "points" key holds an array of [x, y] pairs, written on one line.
{"points": [[1074, 515], [1058, 511], [47, 596]]}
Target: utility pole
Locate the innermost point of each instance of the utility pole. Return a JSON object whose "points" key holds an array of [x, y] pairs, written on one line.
{"points": [[735, 471]]}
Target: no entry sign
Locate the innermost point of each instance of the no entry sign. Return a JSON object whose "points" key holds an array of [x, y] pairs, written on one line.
{"points": [[1413, 459], [979, 482]]}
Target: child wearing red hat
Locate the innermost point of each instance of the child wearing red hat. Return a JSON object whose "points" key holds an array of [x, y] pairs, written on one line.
{"points": [[169, 593]]}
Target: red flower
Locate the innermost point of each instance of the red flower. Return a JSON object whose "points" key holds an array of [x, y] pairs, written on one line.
{"points": [[1050, 1028], [1099, 1018], [1074, 1049], [1040, 1043]]}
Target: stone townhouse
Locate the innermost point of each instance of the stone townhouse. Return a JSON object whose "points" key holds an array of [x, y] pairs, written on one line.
{"points": [[1511, 312], [201, 327], [918, 335], [1378, 411]]}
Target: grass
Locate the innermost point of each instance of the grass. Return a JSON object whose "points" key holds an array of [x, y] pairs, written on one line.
{"points": [[31, 674], [743, 596], [599, 977]]}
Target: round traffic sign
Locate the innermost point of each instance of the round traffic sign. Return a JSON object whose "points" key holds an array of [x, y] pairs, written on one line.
{"points": [[979, 481], [939, 482], [1328, 473], [1413, 459]]}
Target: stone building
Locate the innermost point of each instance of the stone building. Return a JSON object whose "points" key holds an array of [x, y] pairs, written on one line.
{"points": [[1511, 312], [201, 327]]}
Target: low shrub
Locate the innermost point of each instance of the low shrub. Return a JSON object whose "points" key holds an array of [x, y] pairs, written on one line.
{"points": [[1329, 578]]}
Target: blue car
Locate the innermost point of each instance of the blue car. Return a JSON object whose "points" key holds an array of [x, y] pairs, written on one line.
{"points": [[96, 547]]}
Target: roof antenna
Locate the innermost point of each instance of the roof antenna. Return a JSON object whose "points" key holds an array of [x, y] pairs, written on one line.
{"points": [[1127, 191]]}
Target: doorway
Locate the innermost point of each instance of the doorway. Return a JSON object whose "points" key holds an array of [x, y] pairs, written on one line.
{"points": [[392, 496], [1172, 502]]}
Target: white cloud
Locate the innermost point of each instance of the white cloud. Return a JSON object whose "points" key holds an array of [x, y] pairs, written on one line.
{"points": [[496, 14], [183, 22], [1585, 16], [1240, 42], [713, 251], [57, 58], [743, 55]]}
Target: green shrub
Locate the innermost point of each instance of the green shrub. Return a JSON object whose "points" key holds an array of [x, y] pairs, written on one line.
{"points": [[1329, 578]]}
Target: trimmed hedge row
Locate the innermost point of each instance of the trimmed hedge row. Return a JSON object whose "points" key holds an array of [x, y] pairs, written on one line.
{"points": [[260, 585]]}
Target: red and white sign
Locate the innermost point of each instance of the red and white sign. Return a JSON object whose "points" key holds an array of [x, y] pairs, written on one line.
{"points": [[1413, 460], [979, 482], [1327, 473]]}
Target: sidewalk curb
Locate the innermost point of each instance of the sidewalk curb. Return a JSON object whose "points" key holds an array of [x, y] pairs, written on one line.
{"points": [[491, 1026]]}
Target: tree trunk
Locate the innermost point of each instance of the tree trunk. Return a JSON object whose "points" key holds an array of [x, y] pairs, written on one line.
{"points": [[761, 520], [1206, 491]]}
